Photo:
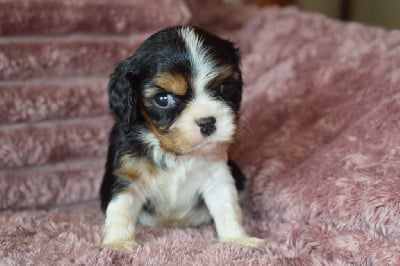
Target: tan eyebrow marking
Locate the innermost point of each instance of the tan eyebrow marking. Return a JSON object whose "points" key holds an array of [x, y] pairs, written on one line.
{"points": [[172, 82], [226, 72]]}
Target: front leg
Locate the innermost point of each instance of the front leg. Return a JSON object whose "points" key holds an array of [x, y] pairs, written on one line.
{"points": [[121, 216], [221, 198]]}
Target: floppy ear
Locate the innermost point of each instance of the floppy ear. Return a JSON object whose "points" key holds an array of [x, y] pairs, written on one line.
{"points": [[122, 96]]}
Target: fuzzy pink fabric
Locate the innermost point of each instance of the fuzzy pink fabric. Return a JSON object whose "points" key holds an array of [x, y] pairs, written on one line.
{"points": [[319, 144], [60, 17]]}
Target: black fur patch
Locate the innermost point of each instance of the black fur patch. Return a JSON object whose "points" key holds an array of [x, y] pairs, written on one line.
{"points": [[240, 178]]}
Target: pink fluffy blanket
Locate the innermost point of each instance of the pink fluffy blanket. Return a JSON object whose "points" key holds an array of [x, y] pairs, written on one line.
{"points": [[319, 142]]}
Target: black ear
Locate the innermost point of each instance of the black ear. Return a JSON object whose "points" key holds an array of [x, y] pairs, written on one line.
{"points": [[122, 96]]}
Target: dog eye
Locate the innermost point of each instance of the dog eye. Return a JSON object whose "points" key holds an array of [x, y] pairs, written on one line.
{"points": [[227, 89], [164, 100]]}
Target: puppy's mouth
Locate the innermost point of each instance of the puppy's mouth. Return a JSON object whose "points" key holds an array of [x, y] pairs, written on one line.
{"points": [[208, 146]]}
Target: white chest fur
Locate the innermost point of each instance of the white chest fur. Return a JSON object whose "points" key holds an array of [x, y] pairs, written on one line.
{"points": [[176, 195]]}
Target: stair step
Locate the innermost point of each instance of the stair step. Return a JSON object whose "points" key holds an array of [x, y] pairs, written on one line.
{"points": [[50, 142], [64, 183], [77, 56], [57, 17], [51, 99]]}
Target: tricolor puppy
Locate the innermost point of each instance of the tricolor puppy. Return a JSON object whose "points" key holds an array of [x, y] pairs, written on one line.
{"points": [[176, 102]]}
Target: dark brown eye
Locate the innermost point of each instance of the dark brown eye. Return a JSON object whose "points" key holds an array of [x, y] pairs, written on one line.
{"points": [[164, 100], [227, 89]]}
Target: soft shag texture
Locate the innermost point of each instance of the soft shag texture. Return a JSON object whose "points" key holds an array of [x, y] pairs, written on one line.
{"points": [[60, 17], [319, 143]]}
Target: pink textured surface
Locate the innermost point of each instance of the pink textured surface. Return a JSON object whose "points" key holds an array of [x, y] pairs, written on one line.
{"points": [[52, 99], [57, 184], [319, 144], [50, 142], [77, 56], [122, 17]]}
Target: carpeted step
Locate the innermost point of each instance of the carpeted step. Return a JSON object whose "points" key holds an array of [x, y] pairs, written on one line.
{"points": [[51, 99], [50, 142], [57, 17], [50, 185], [76, 56]]}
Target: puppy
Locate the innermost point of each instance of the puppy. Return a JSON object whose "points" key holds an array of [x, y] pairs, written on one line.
{"points": [[176, 101]]}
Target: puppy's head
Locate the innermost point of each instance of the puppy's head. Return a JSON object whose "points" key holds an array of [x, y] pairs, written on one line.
{"points": [[184, 86]]}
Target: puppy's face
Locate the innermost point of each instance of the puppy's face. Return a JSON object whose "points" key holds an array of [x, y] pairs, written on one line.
{"points": [[184, 85]]}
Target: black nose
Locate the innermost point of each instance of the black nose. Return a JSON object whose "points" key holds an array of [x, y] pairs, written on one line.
{"points": [[207, 125]]}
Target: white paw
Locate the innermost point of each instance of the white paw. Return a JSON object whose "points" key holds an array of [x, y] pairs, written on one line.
{"points": [[245, 241], [121, 245]]}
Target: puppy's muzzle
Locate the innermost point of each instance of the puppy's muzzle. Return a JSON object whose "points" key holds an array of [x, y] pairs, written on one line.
{"points": [[207, 125]]}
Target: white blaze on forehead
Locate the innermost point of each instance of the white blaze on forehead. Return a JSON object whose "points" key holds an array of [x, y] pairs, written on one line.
{"points": [[204, 67]]}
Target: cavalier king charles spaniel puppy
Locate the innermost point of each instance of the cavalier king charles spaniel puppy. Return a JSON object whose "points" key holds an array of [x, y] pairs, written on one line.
{"points": [[176, 101]]}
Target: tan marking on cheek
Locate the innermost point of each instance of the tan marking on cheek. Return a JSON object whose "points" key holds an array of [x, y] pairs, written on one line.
{"points": [[165, 142], [177, 140], [150, 123], [171, 82], [173, 141], [181, 143]]}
